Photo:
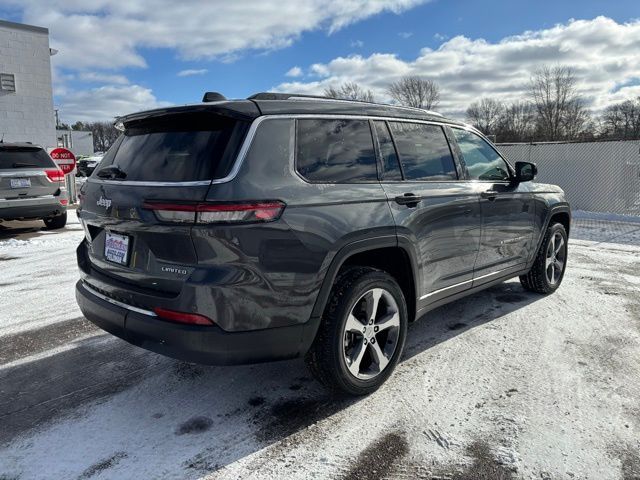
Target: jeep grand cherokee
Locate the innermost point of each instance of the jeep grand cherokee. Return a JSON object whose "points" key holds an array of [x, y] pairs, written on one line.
{"points": [[237, 231]]}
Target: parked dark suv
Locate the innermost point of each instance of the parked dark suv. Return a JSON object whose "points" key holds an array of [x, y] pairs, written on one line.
{"points": [[243, 231]]}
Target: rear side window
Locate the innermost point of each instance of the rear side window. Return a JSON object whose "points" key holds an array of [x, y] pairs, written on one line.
{"points": [[335, 151], [387, 152], [481, 160], [24, 157], [424, 151], [177, 148]]}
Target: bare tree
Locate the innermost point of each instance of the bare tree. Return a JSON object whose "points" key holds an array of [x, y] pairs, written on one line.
{"points": [[621, 120], [485, 115], [349, 91], [576, 122], [560, 111], [104, 135], [517, 122], [414, 91]]}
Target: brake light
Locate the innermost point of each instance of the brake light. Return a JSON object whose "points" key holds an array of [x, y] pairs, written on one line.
{"points": [[182, 317], [54, 174], [64, 202], [206, 213]]}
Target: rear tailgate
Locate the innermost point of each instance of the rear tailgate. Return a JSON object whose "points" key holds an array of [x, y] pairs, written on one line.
{"points": [[169, 159]]}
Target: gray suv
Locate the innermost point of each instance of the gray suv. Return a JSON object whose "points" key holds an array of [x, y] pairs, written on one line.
{"points": [[238, 231], [31, 186]]}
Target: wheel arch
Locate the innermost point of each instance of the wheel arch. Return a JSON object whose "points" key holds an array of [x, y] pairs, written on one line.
{"points": [[562, 213], [385, 253], [561, 216]]}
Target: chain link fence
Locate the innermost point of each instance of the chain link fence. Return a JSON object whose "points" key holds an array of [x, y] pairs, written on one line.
{"points": [[601, 177], [601, 181]]}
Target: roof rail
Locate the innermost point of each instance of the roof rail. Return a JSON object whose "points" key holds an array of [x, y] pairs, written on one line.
{"points": [[284, 96], [302, 96]]}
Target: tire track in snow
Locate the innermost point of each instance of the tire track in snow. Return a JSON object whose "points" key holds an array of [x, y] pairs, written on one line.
{"points": [[35, 393]]}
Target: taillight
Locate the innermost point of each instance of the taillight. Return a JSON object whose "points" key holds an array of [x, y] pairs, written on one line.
{"points": [[64, 202], [205, 213], [54, 174], [182, 317]]}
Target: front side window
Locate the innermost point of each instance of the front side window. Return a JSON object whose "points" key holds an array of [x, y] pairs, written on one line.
{"points": [[481, 160], [335, 151], [424, 151]]}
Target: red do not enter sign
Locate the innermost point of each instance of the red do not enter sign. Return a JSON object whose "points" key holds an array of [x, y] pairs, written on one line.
{"points": [[65, 159]]}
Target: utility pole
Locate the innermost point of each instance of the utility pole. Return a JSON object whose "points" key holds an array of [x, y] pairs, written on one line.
{"points": [[57, 118]]}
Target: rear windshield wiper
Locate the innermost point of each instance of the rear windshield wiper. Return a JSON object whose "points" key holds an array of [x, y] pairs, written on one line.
{"points": [[112, 172], [23, 164]]}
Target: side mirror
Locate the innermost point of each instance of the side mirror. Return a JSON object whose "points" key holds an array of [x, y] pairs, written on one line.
{"points": [[525, 171]]}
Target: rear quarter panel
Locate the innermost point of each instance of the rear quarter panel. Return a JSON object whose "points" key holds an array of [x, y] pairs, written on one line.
{"points": [[270, 274]]}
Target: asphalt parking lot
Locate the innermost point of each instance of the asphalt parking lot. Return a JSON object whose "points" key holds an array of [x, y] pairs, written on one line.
{"points": [[503, 384]]}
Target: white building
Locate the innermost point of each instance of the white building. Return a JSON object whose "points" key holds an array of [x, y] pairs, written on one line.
{"points": [[26, 94], [80, 142]]}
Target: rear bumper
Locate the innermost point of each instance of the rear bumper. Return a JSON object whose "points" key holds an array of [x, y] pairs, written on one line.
{"points": [[192, 343], [41, 207]]}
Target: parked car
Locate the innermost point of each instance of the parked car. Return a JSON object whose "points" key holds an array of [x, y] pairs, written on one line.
{"points": [[283, 226], [86, 165], [31, 186]]}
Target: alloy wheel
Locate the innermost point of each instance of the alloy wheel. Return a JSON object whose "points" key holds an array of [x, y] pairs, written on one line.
{"points": [[371, 333], [556, 258]]}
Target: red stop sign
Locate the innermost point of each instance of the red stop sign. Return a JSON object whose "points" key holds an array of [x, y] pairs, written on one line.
{"points": [[65, 159]]}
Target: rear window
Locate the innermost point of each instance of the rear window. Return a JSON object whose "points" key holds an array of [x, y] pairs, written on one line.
{"points": [[177, 148], [24, 157], [335, 151]]}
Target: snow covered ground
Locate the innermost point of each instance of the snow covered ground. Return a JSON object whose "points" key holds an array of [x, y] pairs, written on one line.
{"points": [[504, 384]]}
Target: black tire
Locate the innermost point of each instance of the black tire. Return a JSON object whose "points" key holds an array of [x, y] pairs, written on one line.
{"points": [[54, 223], [326, 357], [537, 279]]}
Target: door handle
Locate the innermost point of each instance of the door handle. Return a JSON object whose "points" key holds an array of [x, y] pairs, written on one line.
{"points": [[409, 199], [490, 194]]}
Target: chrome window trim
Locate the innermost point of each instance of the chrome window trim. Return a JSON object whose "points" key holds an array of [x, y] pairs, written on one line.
{"points": [[435, 292], [246, 144], [149, 184], [117, 303], [472, 281]]}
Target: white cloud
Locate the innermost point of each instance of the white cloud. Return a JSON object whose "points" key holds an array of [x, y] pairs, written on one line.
{"points": [[191, 72], [319, 70], [357, 44], [604, 55], [294, 72], [110, 33], [405, 35], [98, 77], [106, 103], [440, 37]]}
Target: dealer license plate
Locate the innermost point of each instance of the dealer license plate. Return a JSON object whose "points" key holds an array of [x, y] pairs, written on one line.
{"points": [[116, 248]]}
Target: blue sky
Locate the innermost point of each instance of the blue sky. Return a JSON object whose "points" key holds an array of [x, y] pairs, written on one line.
{"points": [[114, 58], [491, 20]]}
